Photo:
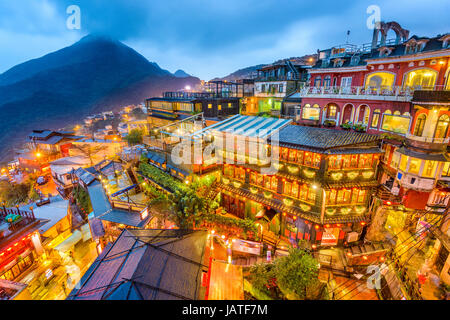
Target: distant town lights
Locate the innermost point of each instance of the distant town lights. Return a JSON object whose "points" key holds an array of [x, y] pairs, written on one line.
{"points": [[187, 87]]}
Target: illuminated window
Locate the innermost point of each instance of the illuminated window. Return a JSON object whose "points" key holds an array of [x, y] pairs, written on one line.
{"points": [[403, 162], [253, 178], [362, 196], [335, 162], [316, 160], [380, 80], [287, 187], [219, 107], [365, 161], [375, 118], [317, 81], [332, 110], [300, 157], [209, 106], [420, 124], [267, 182], [311, 113], [327, 81], [446, 170], [346, 161], [260, 180], [422, 78], [395, 159], [229, 105], [311, 195], [414, 166], [294, 190], [303, 192], [292, 154], [274, 184], [430, 169], [284, 153], [308, 158], [442, 126]]}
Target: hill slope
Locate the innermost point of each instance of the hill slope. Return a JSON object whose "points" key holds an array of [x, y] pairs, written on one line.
{"points": [[95, 74]]}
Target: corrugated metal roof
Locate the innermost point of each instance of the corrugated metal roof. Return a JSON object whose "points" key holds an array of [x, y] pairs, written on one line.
{"points": [[146, 264], [249, 126]]}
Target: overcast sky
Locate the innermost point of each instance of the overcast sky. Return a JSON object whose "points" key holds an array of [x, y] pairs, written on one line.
{"points": [[208, 38]]}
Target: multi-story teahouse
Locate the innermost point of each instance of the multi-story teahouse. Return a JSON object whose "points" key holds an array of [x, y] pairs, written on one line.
{"points": [[319, 184]]}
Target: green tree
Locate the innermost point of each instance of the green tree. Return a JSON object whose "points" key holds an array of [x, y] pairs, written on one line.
{"points": [[187, 208], [296, 273], [134, 137]]}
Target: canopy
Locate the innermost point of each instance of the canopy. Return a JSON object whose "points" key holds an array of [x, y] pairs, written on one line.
{"points": [[69, 242]]}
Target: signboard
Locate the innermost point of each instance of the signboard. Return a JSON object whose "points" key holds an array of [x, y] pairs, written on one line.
{"points": [[144, 214], [330, 236], [250, 247]]}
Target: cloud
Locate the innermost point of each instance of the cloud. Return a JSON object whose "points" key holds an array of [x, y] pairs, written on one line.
{"points": [[208, 38]]}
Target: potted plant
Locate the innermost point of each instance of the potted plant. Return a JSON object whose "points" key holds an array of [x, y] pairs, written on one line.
{"points": [[360, 127], [329, 123], [346, 125]]}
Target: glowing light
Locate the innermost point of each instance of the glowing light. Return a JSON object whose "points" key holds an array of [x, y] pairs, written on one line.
{"points": [[38, 154], [187, 87]]}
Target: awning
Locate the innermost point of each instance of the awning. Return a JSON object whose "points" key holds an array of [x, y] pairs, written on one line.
{"points": [[86, 232], [441, 157], [70, 241], [115, 194]]}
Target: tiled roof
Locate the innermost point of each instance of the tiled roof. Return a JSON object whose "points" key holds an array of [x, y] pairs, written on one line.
{"points": [[321, 138], [146, 264]]}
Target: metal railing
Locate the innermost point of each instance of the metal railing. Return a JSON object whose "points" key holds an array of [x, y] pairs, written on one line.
{"points": [[427, 139], [395, 91]]}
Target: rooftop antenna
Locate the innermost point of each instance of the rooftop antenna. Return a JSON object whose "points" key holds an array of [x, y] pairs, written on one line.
{"points": [[348, 34]]}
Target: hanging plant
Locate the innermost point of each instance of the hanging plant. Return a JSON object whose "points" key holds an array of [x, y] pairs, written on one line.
{"points": [[268, 195], [337, 175], [360, 209], [253, 190], [293, 169], [309, 173], [305, 207], [367, 174], [345, 210], [352, 175], [288, 202], [225, 180], [237, 184]]}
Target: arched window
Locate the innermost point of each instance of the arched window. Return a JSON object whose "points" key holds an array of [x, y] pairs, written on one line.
{"points": [[420, 123], [442, 126], [422, 79], [327, 81], [380, 80], [317, 81], [375, 118]]}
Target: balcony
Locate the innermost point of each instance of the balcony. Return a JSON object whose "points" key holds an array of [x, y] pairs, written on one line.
{"points": [[278, 78], [396, 94], [439, 94], [427, 143]]}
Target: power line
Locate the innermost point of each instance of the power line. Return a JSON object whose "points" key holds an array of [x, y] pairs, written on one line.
{"points": [[393, 248], [398, 256]]}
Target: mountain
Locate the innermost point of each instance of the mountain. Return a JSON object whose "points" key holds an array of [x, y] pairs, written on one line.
{"points": [[95, 74], [250, 72], [181, 74], [245, 73]]}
